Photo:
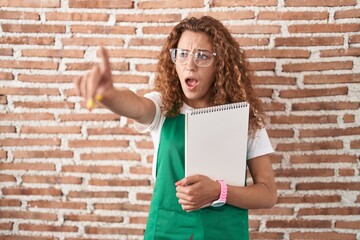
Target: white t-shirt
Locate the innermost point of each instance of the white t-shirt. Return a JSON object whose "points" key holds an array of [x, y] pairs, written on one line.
{"points": [[257, 146]]}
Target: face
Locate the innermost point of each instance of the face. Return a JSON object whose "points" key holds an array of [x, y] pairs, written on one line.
{"points": [[196, 82]]}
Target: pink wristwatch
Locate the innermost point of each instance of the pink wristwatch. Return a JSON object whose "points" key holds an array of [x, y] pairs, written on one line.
{"points": [[223, 195]]}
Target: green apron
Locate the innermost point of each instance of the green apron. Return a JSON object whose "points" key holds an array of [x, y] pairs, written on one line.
{"points": [[167, 220]]}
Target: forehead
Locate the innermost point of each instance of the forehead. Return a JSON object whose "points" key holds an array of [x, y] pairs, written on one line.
{"points": [[194, 40]]}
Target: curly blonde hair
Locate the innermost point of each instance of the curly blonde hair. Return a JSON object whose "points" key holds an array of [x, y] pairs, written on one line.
{"points": [[232, 78]]}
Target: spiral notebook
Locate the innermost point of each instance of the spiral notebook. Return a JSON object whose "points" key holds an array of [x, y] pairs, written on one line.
{"points": [[216, 142]]}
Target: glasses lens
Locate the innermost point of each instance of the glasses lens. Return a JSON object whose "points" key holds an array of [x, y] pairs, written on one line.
{"points": [[201, 58]]}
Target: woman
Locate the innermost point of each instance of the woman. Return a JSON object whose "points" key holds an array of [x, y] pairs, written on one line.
{"points": [[200, 65]]}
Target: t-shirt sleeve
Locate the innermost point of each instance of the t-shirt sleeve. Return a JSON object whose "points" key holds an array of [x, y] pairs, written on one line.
{"points": [[142, 128], [259, 144]]}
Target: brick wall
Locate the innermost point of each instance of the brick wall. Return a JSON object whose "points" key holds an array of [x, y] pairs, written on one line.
{"points": [[68, 174]]}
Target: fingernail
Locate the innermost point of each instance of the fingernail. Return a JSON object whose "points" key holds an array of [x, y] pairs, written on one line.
{"points": [[99, 98], [178, 183], [90, 104]]}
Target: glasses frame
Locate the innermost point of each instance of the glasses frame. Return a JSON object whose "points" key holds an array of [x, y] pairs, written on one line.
{"points": [[194, 56]]}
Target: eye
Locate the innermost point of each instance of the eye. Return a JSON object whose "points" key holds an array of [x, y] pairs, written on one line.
{"points": [[203, 55], [182, 53]]}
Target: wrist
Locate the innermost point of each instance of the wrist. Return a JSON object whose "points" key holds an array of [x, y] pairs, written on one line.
{"points": [[222, 196]]}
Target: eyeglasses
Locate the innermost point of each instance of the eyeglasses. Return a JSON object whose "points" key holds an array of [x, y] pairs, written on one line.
{"points": [[201, 58]]}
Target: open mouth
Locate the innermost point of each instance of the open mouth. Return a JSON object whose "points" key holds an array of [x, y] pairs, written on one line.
{"points": [[191, 82]]}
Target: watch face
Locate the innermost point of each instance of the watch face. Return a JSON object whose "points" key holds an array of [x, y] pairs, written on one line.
{"points": [[218, 203]]}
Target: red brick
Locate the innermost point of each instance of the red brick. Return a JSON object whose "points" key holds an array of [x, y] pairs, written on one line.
{"points": [[254, 29], [88, 117], [335, 78], [10, 203], [345, 211], [6, 226], [304, 146], [160, 18], [346, 172], [46, 79], [170, 4], [57, 204], [324, 3], [3, 154], [309, 199], [309, 41], [92, 218], [354, 39], [6, 76], [28, 166], [28, 40], [266, 235], [31, 4], [348, 118], [280, 133], [133, 53], [47, 228], [348, 224], [323, 158], [317, 66], [306, 93], [332, 132], [119, 66], [304, 172], [355, 144], [66, 105], [303, 119], [298, 224], [29, 64], [7, 178], [277, 15], [228, 15], [17, 15], [29, 142], [59, 16], [98, 143], [138, 220], [147, 42], [233, 3], [324, 28], [25, 237], [92, 41], [32, 191], [111, 156], [122, 207], [340, 52], [6, 52], [43, 154], [328, 106], [30, 91], [53, 53], [114, 230], [269, 107], [100, 29], [26, 116], [33, 28], [140, 170], [247, 41], [322, 235], [112, 131], [262, 66], [52, 179], [272, 211], [143, 196], [130, 79], [348, 186], [119, 182], [277, 53], [116, 4], [145, 144], [90, 194], [92, 169], [352, 13], [3, 100], [50, 130]]}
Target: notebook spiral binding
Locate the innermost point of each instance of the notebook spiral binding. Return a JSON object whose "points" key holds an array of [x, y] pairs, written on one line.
{"points": [[218, 108]]}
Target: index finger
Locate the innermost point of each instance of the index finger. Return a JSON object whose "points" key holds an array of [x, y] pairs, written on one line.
{"points": [[105, 67]]}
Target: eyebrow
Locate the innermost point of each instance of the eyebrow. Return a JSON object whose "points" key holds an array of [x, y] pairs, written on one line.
{"points": [[197, 49]]}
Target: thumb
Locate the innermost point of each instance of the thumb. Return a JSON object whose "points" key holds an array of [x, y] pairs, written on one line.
{"points": [[188, 180]]}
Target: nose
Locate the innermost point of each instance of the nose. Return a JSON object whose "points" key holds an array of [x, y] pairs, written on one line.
{"points": [[190, 65]]}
